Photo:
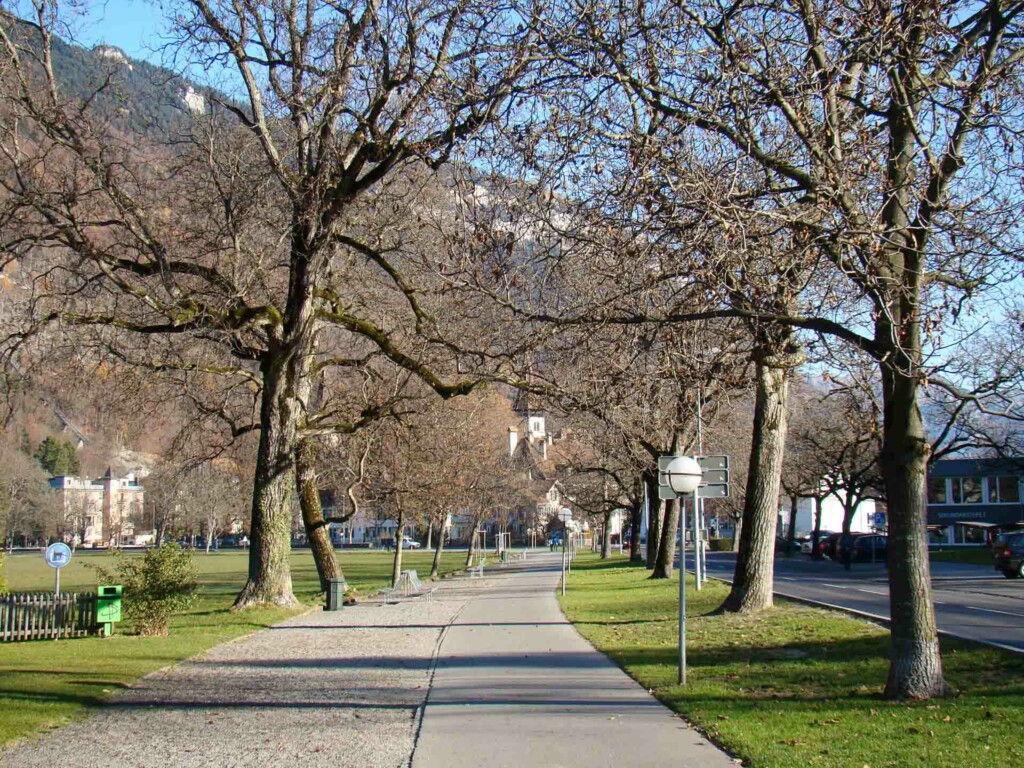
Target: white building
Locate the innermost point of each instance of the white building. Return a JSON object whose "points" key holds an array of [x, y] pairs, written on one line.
{"points": [[99, 512], [831, 515]]}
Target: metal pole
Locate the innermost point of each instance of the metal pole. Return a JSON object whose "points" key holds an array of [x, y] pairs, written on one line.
{"points": [[697, 571], [564, 532], [56, 582], [646, 522], [700, 420], [703, 547], [682, 595]]}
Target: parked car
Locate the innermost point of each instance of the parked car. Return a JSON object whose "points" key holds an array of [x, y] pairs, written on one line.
{"points": [[870, 548], [807, 547], [782, 544], [408, 543], [828, 545], [1009, 554]]}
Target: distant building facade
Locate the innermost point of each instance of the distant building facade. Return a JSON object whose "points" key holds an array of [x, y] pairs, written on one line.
{"points": [[99, 512], [966, 496]]}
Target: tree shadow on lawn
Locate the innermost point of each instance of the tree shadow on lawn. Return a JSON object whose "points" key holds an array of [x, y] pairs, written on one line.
{"points": [[849, 669], [615, 563]]}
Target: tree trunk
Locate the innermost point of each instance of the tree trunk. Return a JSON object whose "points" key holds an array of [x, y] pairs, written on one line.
{"points": [[815, 552], [656, 519], [637, 519], [317, 530], [667, 541], [472, 542], [915, 669], [606, 539], [270, 580], [791, 528], [754, 577], [430, 534], [435, 566], [396, 568]]}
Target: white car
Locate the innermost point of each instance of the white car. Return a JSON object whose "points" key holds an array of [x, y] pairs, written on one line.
{"points": [[408, 543]]}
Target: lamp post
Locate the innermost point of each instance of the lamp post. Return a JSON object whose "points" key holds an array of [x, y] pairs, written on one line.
{"points": [[684, 475], [565, 515]]}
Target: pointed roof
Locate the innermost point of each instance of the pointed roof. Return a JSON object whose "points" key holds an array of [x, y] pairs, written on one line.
{"points": [[526, 403]]}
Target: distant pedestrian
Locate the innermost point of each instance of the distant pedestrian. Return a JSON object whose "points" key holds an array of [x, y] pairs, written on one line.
{"points": [[846, 544]]}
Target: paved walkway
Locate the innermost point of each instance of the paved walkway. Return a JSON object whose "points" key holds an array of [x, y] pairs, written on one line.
{"points": [[486, 673], [515, 685]]}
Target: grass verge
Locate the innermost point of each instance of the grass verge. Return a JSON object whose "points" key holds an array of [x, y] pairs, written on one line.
{"points": [[970, 555], [47, 683], [796, 685]]}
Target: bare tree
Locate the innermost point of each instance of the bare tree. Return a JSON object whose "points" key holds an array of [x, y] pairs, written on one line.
{"points": [[331, 106]]}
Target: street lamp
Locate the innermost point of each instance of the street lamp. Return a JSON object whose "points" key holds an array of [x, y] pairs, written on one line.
{"points": [[684, 475]]}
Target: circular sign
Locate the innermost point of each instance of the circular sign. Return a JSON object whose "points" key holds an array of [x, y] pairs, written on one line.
{"points": [[565, 514], [57, 555]]}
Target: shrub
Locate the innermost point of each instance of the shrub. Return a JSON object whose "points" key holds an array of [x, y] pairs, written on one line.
{"points": [[720, 545], [157, 585]]}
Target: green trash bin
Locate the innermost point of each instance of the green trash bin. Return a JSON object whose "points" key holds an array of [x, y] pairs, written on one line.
{"points": [[335, 594], [108, 606]]}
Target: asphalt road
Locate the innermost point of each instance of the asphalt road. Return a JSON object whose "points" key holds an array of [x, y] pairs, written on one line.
{"points": [[971, 601]]}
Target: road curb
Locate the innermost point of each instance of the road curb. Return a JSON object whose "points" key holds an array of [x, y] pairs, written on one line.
{"points": [[879, 619]]}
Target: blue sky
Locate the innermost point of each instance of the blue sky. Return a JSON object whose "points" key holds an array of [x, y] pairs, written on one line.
{"points": [[135, 26]]}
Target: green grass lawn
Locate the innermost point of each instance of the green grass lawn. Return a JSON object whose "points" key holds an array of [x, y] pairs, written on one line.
{"points": [[971, 555], [797, 685], [46, 683]]}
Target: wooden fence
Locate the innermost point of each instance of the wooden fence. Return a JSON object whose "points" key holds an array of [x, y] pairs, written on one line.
{"points": [[43, 615]]}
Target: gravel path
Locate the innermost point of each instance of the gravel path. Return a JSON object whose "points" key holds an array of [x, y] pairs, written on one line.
{"points": [[323, 689]]}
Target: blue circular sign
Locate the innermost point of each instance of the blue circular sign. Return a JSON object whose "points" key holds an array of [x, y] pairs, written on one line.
{"points": [[57, 555]]}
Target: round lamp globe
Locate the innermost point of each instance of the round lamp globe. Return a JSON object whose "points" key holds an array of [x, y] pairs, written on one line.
{"points": [[684, 474]]}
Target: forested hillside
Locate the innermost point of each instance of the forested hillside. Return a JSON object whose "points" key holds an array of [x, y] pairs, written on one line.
{"points": [[132, 96]]}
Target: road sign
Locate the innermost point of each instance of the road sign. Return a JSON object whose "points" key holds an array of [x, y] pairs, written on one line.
{"points": [[713, 491], [57, 555], [878, 519], [565, 514], [713, 462], [712, 476]]}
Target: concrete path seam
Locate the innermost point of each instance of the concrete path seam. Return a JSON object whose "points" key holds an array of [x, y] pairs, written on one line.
{"points": [[430, 681]]}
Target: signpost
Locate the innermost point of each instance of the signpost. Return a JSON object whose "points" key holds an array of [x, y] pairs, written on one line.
{"points": [[564, 515], [680, 476], [57, 556]]}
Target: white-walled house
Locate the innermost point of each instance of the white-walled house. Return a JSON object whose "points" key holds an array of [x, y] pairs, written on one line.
{"points": [[831, 515], [99, 512]]}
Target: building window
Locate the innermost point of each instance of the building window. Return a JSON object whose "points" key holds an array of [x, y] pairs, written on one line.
{"points": [[937, 491], [967, 490], [938, 534], [969, 535], [1003, 490]]}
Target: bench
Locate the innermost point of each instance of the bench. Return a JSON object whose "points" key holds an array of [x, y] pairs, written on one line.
{"points": [[409, 584], [478, 569]]}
